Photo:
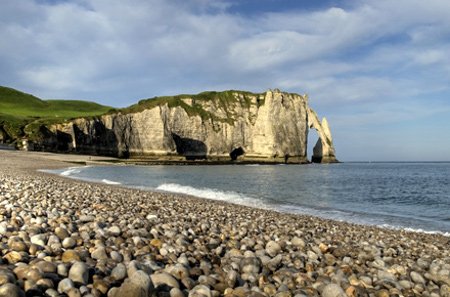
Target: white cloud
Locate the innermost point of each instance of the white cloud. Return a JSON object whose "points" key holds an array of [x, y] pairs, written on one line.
{"points": [[105, 48]]}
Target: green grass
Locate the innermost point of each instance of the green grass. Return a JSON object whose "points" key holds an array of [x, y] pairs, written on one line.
{"points": [[16, 103], [21, 113]]}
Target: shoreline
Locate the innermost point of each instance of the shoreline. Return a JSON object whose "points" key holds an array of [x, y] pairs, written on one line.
{"points": [[267, 207], [181, 245]]}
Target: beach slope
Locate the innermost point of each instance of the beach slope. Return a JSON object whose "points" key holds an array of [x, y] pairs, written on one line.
{"points": [[61, 236]]}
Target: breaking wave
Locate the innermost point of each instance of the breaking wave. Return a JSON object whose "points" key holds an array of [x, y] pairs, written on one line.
{"points": [[110, 182], [213, 194]]}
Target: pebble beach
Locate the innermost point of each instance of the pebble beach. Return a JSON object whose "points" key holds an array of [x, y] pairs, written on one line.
{"points": [[62, 237]]}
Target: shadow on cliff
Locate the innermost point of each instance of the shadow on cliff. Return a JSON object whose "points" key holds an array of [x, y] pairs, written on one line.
{"points": [[191, 149], [48, 140], [100, 141]]}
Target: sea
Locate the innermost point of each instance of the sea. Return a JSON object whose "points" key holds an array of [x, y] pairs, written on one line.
{"points": [[411, 196]]}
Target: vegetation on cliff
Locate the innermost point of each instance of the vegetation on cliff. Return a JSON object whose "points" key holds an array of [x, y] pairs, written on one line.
{"points": [[195, 104], [23, 114]]}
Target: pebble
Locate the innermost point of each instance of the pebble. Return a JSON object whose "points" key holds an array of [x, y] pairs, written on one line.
{"points": [[164, 279], [333, 290], [51, 293], [114, 231], [10, 290], [99, 254], [73, 292], [272, 248], [79, 273], [45, 283], [7, 276], [86, 218], [13, 257], [200, 291], [386, 275], [417, 278], [175, 292], [69, 243], [298, 242], [46, 266], [116, 256], [38, 239], [137, 285], [65, 285], [119, 272], [70, 256], [62, 233], [17, 244], [250, 265], [62, 270]]}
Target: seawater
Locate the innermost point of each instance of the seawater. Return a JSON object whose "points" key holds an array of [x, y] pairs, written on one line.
{"points": [[415, 196]]}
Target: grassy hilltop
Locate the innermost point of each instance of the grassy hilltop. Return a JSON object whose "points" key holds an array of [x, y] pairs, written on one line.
{"points": [[20, 113]]}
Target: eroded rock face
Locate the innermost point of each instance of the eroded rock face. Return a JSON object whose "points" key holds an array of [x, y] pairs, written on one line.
{"points": [[260, 127]]}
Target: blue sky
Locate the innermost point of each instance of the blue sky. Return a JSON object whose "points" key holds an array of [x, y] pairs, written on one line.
{"points": [[379, 70]]}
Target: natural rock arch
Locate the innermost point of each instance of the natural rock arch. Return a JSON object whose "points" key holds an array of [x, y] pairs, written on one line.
{"points": [[323, 151], [191, 149]]}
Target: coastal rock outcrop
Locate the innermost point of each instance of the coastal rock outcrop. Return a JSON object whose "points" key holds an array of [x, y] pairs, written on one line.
{"points": [[232, 125], [323, 151]]}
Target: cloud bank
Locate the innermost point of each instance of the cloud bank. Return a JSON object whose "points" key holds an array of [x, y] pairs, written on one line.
{"points": [[370, 65]]}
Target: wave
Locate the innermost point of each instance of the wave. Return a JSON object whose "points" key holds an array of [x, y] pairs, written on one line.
{"points": [[214, 194], [71, 170], [65, 172], [414, 230], [110, 182]]}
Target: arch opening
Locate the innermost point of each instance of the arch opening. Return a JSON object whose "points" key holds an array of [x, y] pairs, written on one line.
{"points": [[236, 153], [191, 149], [313, 141]]}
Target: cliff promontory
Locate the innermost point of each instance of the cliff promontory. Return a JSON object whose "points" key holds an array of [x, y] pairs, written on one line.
{"points": [[231, 125]]}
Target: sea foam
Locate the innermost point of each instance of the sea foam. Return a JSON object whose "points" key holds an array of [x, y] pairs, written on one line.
{"points": [[110, 182], [70, 171], [213, 194]]}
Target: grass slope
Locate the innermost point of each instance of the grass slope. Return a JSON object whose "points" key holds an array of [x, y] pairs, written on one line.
{"points": [[19, 110]]}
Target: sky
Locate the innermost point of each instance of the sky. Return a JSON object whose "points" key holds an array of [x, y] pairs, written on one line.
{"points": [[379, 70]]}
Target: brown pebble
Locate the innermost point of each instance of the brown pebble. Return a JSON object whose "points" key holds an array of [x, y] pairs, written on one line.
{"points": [[70, 256], [350, 291]]}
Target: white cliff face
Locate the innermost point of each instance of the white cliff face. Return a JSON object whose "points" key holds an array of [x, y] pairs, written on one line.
{"points": [[261, 127]]}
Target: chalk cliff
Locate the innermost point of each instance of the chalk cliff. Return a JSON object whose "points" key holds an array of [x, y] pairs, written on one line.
{"points": [[267, 127]]}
